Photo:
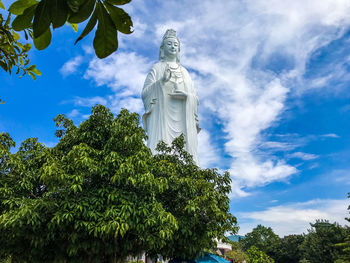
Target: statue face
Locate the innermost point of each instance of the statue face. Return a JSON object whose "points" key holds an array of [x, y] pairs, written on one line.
{"points": [[170, 47]]}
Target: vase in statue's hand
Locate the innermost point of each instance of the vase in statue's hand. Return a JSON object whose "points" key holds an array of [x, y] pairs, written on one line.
{"points": [[178, 94], [167, 74]]}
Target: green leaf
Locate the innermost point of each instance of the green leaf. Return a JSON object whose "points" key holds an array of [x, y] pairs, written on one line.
{"points": [[43, 41], [59, 13], [32, 75], [2, 5], [83, 13], [18, 7], [15, 35], [120, 18], [106, 38], [90, 25], [118, 2], [42, 18], [73, 5], [3, 65], [24, 21], [74, 26]]}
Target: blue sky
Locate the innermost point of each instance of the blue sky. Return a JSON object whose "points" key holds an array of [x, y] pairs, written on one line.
{"points": [[273, 82]]}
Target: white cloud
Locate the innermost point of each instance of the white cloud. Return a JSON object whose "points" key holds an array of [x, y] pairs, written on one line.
{"points": [[330, 135], [123, 72], [73, 113], [233, 49], [294, 218], [71, 66], [89, 102], [303, 156], [208, 154]]}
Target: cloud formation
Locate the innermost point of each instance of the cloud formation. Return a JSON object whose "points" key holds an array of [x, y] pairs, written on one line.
{"points": [[295, 218], [246, 58]]}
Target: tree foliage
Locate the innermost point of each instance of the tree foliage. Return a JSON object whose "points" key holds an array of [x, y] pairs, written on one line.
{"points": [[13, 53], [289, 250], [319, 244], [264, 239], [345, 245], [237, 254], [257, 256], [99, 195], [46, 15]]}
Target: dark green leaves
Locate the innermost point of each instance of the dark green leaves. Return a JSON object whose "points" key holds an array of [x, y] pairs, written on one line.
{"points": [[43, 41], [18, 7], [90, 25], [40, 15], [59, 13], [118, 2], [24, 21], [106, 39], [120, 18], [42, 18], [83, 13]]}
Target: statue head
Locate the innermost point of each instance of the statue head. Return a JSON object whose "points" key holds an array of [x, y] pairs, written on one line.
{"points": [[170, 46]]}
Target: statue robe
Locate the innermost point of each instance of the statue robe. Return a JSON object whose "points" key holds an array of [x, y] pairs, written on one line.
{"points": [[166, 117]]}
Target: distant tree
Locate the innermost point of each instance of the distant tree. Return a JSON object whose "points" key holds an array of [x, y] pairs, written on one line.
{"points": [[264, 239], [319, 244], [345, 257], [289, 251], [237, 253], [100, 195], [257, 256]]}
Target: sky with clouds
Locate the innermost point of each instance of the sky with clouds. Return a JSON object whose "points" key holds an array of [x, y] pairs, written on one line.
{"points": [[273, 82]]}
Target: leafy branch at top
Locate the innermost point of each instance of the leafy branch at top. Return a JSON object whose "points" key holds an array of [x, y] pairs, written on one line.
{"points": [[12, 52], [42, 15]]}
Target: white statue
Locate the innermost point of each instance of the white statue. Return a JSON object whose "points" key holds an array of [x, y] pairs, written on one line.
{"points": [[170, 99]]}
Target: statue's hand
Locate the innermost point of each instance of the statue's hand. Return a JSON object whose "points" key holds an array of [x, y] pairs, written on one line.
{"points": [[167, 74], [178, 94]]}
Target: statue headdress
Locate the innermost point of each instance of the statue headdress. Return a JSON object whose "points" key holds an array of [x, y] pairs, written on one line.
{"points": [[170, 33]]}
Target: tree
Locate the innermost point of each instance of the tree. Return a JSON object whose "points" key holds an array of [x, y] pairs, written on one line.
{"points": [[264, 239], [289, 251], [198, 200], [345, 257], [319, 244], [99, 195], [237, 255], [257, 256]]}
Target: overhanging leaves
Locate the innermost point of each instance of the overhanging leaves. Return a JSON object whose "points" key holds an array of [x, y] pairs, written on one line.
{"points": [[106, 39], [90, 25], [83, 13], [118, 2], [18, 7], [44, 40], [42, 18], [59, 13], [25, 20], [120, 18]]}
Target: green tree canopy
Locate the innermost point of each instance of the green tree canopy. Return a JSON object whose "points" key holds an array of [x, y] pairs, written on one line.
{"points": [[99, 195], [289, 250], [264, 239], [319, 244], [257, 256]]}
